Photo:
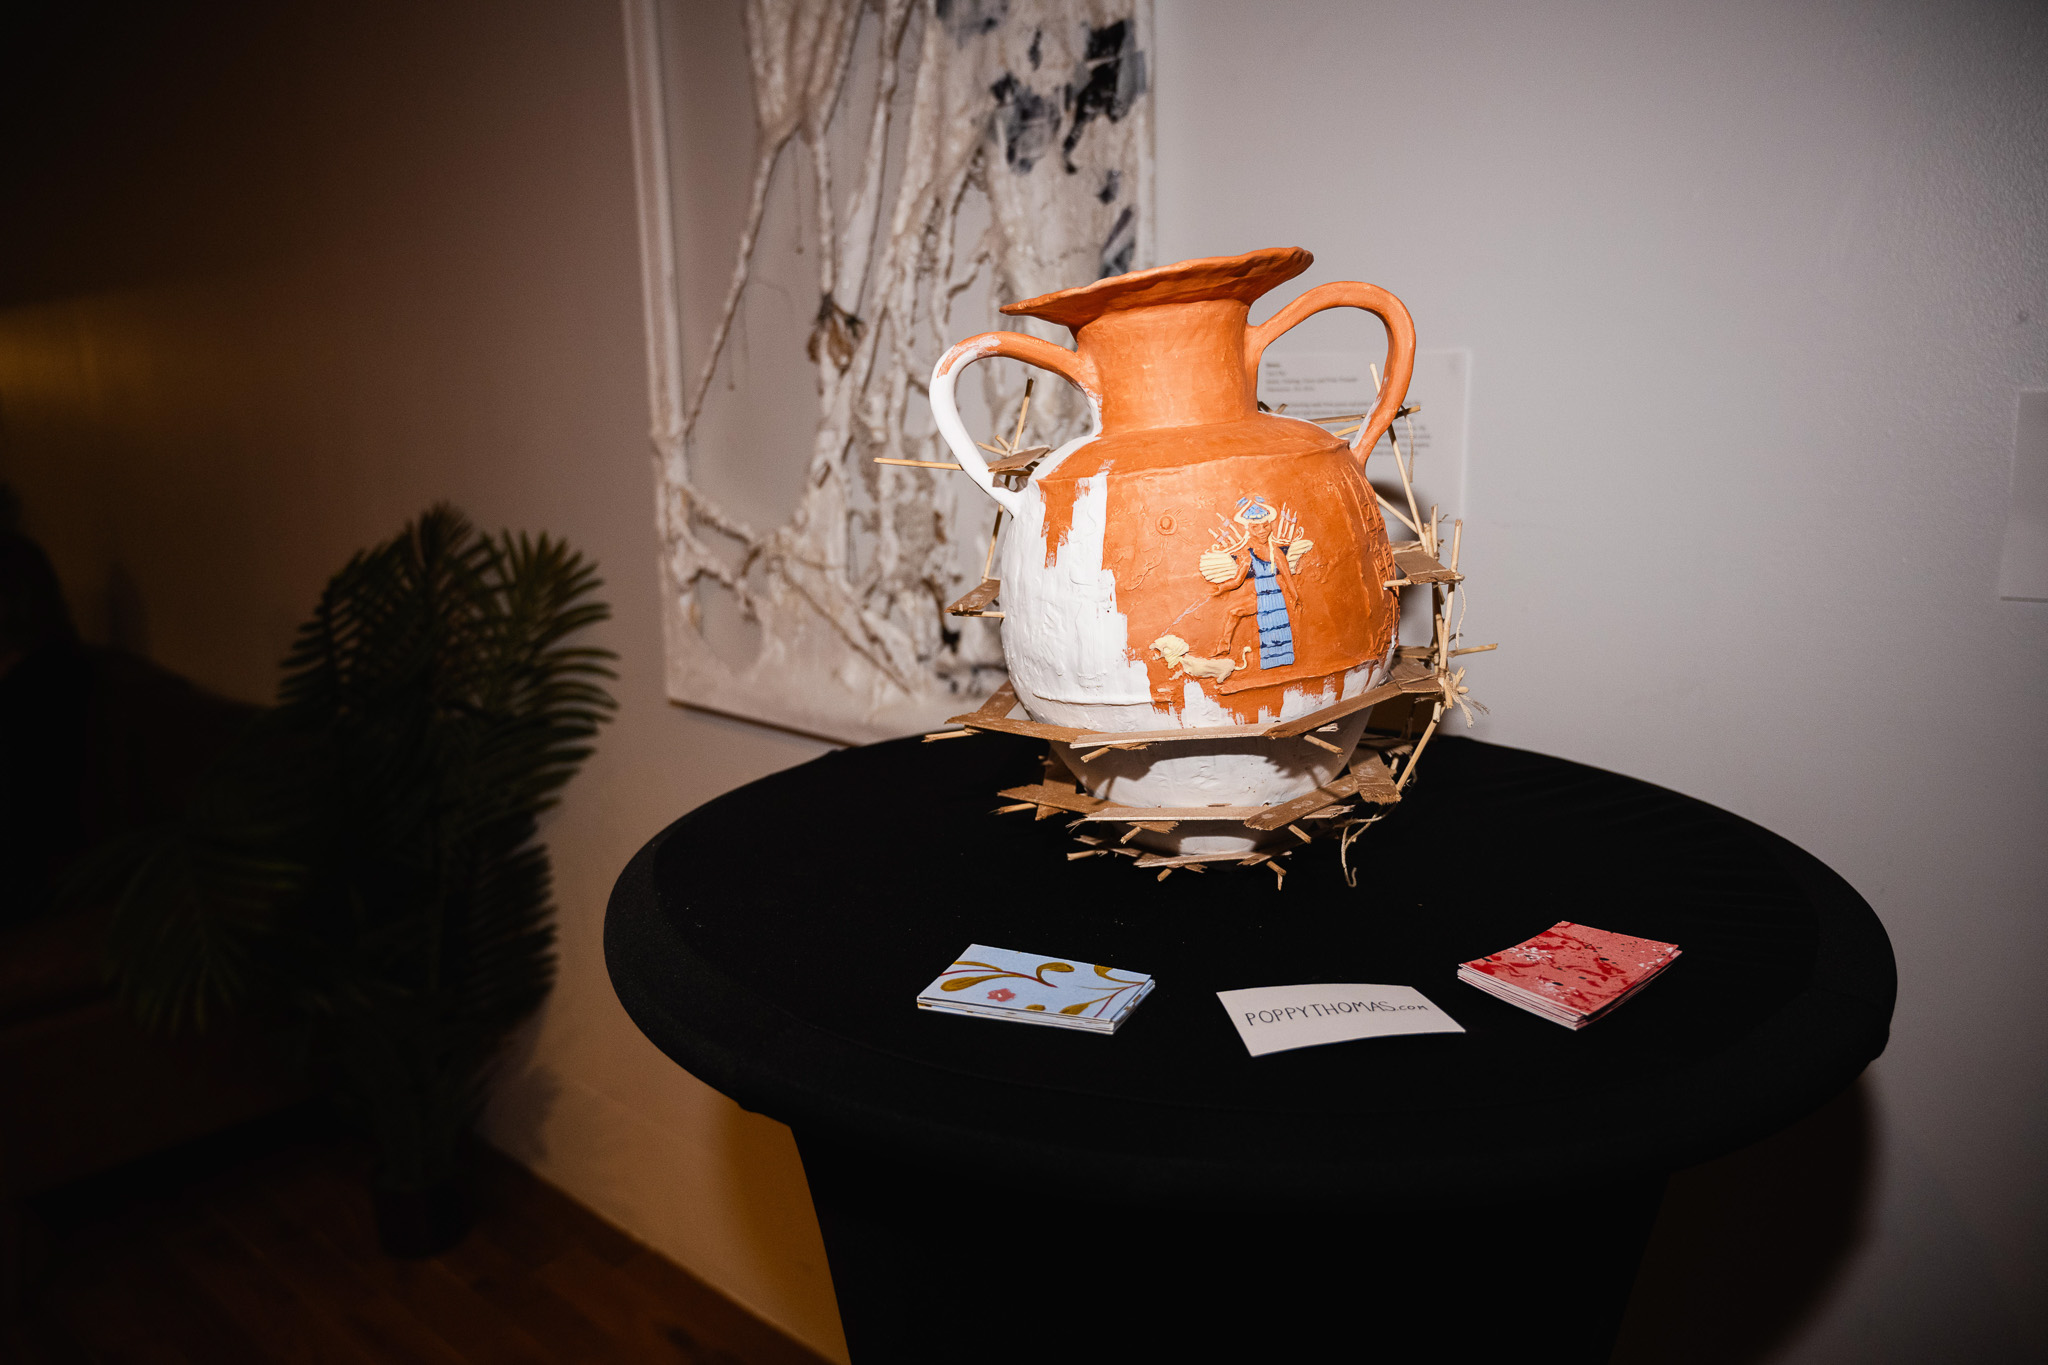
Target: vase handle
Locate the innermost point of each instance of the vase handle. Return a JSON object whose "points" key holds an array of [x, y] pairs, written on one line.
{"points": [[1400, 367], [1068, 365]]}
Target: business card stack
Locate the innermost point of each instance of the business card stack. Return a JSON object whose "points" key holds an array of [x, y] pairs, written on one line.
{"points": [[1570, 974], [1029, 988]]}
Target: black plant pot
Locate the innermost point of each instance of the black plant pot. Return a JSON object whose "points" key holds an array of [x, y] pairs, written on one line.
{"points": [[413, 1225]]}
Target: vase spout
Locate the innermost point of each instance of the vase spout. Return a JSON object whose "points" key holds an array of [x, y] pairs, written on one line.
{"points": [[1167, 346], [1170, 365]]}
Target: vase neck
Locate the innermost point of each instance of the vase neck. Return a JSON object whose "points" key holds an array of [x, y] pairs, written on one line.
{"points": [[1170, 365]]}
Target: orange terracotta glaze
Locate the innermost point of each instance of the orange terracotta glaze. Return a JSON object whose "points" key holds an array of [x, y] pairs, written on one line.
{"points": [[1195, 469], [1059, 516]]}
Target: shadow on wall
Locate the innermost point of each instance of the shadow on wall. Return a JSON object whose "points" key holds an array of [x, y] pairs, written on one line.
{"points": [[524, 1094], [1746, 1248]]}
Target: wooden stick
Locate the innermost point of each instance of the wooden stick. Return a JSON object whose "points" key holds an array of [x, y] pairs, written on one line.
{"points": [[947, 734], [1357, 419], [1457, 535], [1295, 830], [1017, 437], [1408, 768], [1473, 649], [1017, 805], [1407, 469], [1397, 516], [994, 531], [917, 464], [1408, 487], [1407, 481], [1322, 744]]}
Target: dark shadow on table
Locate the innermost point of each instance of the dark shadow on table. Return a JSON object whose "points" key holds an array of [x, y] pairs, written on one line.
{"points": [[1745, 1248]]}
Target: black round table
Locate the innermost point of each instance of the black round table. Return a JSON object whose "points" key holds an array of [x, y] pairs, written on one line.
{"points": [[989, 1188]]}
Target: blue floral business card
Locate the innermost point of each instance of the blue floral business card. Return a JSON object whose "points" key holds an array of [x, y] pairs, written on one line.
{"points": [[1030, 988]]}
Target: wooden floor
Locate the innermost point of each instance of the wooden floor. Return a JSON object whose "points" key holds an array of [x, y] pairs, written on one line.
{"points": [[259, 1248]]}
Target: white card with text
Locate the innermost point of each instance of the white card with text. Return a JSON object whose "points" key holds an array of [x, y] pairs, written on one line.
{"points": [[1276, 1018]]}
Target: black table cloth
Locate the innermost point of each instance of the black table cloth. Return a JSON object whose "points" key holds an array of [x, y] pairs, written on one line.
{"points": [[772, 943]]}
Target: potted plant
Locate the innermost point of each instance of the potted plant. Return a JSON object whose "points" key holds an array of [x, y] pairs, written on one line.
{"points": [[364, 866]]}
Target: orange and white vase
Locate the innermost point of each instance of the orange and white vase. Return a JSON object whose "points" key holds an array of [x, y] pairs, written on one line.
{"points": [[1192, 562]]}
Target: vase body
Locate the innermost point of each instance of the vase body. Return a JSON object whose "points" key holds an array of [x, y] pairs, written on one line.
{"points": [[1193, 562]]}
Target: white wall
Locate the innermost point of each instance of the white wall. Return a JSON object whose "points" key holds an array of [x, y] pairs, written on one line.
{"points": [[1750, 290]]}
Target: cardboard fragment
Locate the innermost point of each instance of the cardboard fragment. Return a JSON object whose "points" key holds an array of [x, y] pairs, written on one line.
{"points": [[1142, 814], [1375, 783], [1020, 462], [1422, 567], [1316, 720], [1404, 716], [1065, 734], [1193, 859], [977, 601], [1409, 676], [1058, 797], [1121, 737], [996, 706], [1415, 676], [1367, 780]]}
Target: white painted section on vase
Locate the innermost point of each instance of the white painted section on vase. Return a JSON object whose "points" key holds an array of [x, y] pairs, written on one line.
{"points": [[1067, 644]]}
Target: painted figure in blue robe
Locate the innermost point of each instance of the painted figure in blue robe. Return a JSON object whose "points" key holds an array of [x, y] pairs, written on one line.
{"points": [[1259, 549]]}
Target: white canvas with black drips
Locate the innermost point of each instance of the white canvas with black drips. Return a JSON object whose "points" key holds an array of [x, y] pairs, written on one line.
{"points": [[921, 163]]}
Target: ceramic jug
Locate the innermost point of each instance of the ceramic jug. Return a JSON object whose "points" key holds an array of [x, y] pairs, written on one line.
{"points": [[1192, 561]]}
